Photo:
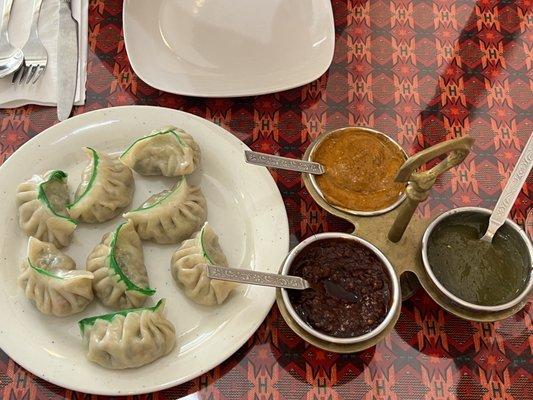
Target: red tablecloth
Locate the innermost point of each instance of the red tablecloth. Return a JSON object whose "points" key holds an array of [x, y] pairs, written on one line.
{"points": [[421, 71]]}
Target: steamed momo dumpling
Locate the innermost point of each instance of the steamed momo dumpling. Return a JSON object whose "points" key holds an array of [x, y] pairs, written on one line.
{"points": [[120, 277], [49, 278], [106, 188], [188, 272], [128, 338], [169, 151], [172, 215], [42, 202]]}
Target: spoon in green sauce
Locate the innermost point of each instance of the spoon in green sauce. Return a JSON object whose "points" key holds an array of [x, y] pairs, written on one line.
{"points": [[511, 191]]}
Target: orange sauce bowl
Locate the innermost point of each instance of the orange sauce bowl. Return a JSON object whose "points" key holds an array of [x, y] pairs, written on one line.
{"points": [[361, 165]]}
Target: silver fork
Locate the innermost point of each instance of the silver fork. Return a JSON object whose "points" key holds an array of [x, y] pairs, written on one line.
{"points": [[35, 55]]}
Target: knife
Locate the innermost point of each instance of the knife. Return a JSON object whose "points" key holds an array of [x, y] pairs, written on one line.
{"points": [[67, 60]]}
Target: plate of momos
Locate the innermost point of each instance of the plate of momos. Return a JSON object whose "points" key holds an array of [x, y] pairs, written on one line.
{"points": [[107, 221]]}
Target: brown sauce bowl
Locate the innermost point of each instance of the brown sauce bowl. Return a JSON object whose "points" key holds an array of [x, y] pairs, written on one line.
{"points": [[392, 308]]}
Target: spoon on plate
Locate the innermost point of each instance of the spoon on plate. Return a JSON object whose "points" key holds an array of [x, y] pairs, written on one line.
{"points": [[511, 191], [11, 58], [291, 164], [275, 280]]}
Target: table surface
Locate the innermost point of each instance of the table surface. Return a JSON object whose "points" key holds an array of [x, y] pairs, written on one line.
{"points": [[421, 71]]}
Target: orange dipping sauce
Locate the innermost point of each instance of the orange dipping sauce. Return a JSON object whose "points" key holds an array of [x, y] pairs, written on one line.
{"points": [[360, 170]]}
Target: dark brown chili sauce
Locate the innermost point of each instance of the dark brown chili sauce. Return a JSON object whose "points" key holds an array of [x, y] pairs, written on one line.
{"points": [[350, 268]]}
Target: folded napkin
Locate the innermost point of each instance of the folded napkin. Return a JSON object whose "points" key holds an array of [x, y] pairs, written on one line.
{"points": [[44, 92]]}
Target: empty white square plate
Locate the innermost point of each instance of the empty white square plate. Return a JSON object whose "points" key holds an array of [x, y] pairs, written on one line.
{"points": [[228, 48]]}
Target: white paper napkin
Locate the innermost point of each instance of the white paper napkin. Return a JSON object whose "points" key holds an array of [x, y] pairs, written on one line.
{"points": [[44, 92]]}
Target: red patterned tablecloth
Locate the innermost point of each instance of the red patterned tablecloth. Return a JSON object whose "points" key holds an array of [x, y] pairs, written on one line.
{"points": [[422, 71]]}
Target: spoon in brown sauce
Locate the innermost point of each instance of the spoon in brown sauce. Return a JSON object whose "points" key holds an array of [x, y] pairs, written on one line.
{"points": [[335, 290], [276, 280]]}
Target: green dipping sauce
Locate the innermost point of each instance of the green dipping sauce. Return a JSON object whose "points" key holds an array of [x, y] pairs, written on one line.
{"points": [[478, 272]]}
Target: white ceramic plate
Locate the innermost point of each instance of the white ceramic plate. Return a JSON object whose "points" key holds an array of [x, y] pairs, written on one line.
{"points": [[244, 207], [227, 48]]}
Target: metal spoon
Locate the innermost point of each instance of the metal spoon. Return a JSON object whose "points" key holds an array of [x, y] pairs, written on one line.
{"points": [[10, 57], [275, 280], [511, 191], [291, 164]]}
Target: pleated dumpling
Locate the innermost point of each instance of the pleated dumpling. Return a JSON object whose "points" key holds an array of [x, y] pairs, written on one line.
{"points": [[188, 271], [120, 277], [106, 187], [128, 338], [171, 215], [42, 202], [50, 279], [169, 151]]}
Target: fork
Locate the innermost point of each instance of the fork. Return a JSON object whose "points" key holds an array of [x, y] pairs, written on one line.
{"points": [[35, 55]]}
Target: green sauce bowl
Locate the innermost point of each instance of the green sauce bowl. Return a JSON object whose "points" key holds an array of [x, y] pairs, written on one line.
{"points": [[472, 281]]}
